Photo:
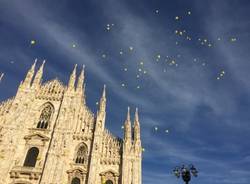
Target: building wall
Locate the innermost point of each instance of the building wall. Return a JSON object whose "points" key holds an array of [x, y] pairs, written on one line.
{"points": [[72, 133]]}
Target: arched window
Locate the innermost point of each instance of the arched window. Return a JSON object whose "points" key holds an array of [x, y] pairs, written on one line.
{"points": [[45, 117], [81, 154], [76, 181], [109, 182], [31, 157]]}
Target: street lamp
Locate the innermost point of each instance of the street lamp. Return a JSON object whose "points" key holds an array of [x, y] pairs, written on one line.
{"points": [[185, 172]]}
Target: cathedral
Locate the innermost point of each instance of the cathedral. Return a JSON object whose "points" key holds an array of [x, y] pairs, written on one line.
{"points": [[49, 136]]}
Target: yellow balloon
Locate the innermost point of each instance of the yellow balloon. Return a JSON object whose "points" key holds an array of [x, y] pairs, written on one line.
{"points": [[33, 42]]}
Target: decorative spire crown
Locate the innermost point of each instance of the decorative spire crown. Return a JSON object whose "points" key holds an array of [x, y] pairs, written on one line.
{"points": [[72, 79], [128, 115], [39, 75], [136, 116], [30, 74], [103, 100], [127, 127], [81, 80], [136, 126], [104, 92]]}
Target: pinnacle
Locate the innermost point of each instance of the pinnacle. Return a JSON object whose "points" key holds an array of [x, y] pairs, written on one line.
{"points": [[136, 115], [34, 65], [128, 114], [104, 91]]}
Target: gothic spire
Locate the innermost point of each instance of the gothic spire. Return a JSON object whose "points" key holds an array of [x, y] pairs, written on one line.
{"points": [[38, 76], [29, 75], [102, 107], [72, 79], [127, 127], [128, 115], [136, 116], [80, 81], [136, 126]]}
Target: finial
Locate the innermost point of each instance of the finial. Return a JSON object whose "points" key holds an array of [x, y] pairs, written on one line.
{"points": [[30, 74], [128, 114], [136, 126], [127, 126], [41, 68], [72, 79], [136, 115], [81, 80], [38, 76], [34, 65], [104, 91], [74, 70], [103, 100], [83, 70]]}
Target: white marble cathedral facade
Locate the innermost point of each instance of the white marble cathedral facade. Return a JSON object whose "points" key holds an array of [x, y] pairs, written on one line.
{"points": [[49, 136]]}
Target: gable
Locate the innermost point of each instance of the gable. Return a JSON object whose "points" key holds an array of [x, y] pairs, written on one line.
{"points": [[36, 136]]}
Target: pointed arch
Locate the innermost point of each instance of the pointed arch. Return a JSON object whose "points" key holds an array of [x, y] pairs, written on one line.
{"points": [[81, 155], [45, 116], [76, 180], [109, 177], [109, 182], [31, 157]]}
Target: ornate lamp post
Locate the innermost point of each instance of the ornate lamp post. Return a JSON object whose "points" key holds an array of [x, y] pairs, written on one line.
{"points": [[185, 172]]}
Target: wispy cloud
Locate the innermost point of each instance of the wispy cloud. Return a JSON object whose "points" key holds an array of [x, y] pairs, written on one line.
{"points": [[206, 118], [58, 35]]}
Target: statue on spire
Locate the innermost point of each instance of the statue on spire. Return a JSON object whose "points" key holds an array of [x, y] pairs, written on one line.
{"points": [[80, 81], [29, 75], [103, 100], [72, 79], [137, 136], [127, 127], [38, 77]]}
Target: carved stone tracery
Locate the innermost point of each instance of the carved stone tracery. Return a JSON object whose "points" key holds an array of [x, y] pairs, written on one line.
{"points": [[76, 173], [109, 176], [45, 116], [55, 119]]}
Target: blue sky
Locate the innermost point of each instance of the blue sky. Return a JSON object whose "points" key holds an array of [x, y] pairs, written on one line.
{"points": [[184, 64]]}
